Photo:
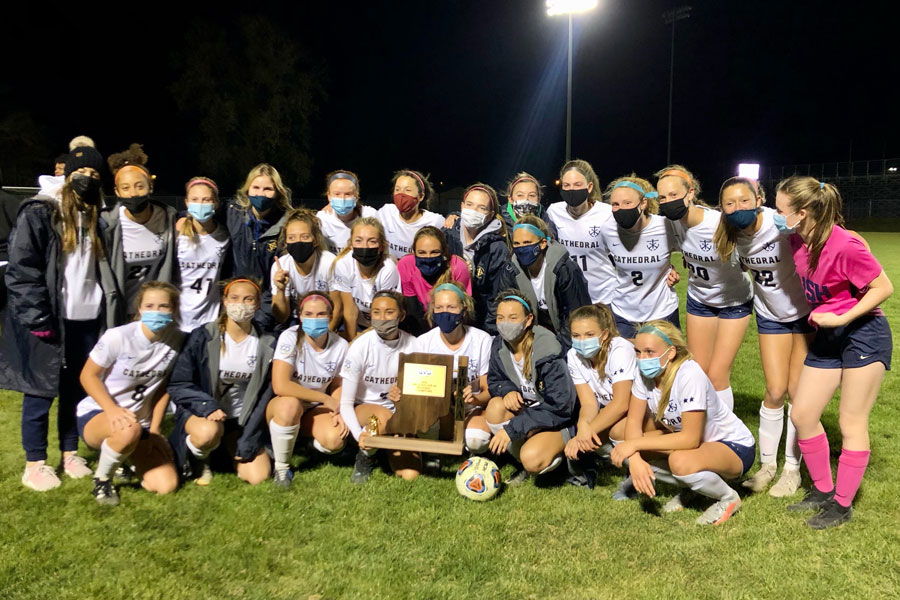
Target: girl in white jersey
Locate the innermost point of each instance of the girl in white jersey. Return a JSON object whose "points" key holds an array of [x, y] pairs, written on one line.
{"points": [[639, 243], [450, 311], [305, 377], [678, 431], [577, 221], [747, 228], [360, 270], [305, 267], [369, 384], [405, 216], [344, 207], [719, 293], [204, 254], [125, 379]]}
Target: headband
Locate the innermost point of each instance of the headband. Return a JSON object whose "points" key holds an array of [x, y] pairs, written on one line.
{"points": [[317, 297], [516, 182], [632, 185], [452, 288], [657, 332], [651, 195], [517, 299], [343, 175], [419, 179], [679, 173], [253, 283], [201, 181], [531, 228], [482, 189], [132, 167], [821, 185]]}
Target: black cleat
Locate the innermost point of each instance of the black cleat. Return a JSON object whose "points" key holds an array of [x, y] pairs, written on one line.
{"points": [[105, 492], [813, 500], [363, 468], [831, 515]]}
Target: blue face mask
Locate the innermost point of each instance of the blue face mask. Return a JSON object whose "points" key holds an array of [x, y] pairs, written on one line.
{"points": [[155, 320], [314, 327], [587, 348], [447, 321], [342, 206], [430, 266], [202, 211], [650, 367], [261, 203], [742, 218], [781, 223], [528, 254]]}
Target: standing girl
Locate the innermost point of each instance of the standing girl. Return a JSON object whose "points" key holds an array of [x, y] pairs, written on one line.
{"points": [[405, 217], [344, 207], [852, 348]]}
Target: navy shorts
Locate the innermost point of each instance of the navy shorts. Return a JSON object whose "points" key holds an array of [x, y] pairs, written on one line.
{"points": [[864, 341], [82, 421], [698, 309], [747, 454], [628, 329], [767, 326]]}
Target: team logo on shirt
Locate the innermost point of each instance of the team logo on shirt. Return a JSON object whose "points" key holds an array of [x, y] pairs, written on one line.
{"points": [[769, 247], [652, 244], [479, 274], [706, 245], [160, 237], [285, 348], [330, 366], [251, 361], [593, 231], [321, 286], [272, 245], [347, 364], [473, 365], [540, 387], [221, 250], [673, 406]]}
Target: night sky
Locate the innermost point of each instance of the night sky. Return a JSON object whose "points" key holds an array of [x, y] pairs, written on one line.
{"points": [[473, 91]]}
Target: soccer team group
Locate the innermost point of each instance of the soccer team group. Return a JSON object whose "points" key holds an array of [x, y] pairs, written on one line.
{"points": [[259, 324]]}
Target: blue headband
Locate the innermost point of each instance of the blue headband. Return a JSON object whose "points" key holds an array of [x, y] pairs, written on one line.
{"points": [[821, 185], [452, 288], [519, 299], [535, 230], [342, 175], [657, 332], [651, 195], [632, 185]]}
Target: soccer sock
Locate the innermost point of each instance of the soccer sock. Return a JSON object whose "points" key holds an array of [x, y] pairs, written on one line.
{"points": [[108, 462], [664, 475], [615, 442], [553, 464], [791, 449], [283, 439], [707, 483], [477, 440], [318, 446], [201, 454], [851, 468], [818, 461], [771, 424], [496, 427], [726, 396]]}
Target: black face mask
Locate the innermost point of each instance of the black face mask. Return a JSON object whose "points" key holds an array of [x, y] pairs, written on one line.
{"points": [[627, 217], [673, 209], [301, 251], [574, 197], [367, 257], [135, 204], [87, 188]]}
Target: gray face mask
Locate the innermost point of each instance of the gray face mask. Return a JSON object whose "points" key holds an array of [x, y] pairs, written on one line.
{"points": [[386, 328], [511, 331]]}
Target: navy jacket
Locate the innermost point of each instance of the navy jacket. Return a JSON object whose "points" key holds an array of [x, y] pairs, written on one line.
{"points": [[252, 256]]}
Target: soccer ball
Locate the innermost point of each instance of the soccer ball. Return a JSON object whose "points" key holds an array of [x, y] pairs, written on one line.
{"points": [[478, 479]]}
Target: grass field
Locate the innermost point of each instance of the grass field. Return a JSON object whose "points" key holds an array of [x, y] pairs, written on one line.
{"points": [[327, 538]]}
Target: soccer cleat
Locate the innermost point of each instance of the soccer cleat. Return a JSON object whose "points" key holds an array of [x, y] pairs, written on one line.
{"points": [[363, 467], [721, 511], [813, 500], [283, 478], [40, 477], [831, 515], [518, 478], [76, 467], [626, 490], [105, 492], [763, 477], [787, 484], [676, 504], [206, 476], [124, 474]]}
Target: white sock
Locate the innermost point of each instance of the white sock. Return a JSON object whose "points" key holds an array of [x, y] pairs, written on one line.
{"points": [[615, 442], [791, 447], [771, 424], [283, 440], [477, 440], [726, 396], [707, 483], [201, 454], [323, 449], [495, 427], [553, 464], [663, 474], [108, 462]]}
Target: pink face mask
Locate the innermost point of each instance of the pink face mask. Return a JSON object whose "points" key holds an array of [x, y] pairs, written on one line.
{"points": [[405, 202]]}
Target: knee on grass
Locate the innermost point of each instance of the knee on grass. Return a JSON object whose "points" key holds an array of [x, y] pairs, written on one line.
{"points": [[160, 482]]}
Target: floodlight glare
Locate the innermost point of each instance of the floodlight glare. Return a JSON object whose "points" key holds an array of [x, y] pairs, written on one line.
{"points": [[569, 7], [749, 170]]}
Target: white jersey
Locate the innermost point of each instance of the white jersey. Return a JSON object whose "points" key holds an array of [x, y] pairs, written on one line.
{"points": [[778, 293], [236, 367], [399, 233], [642, 264], [313, 369], [476, 346], [320, 278], [581, 237], [526, 388], [135, 368], [692, 391], [143, 245], [621, 365], [347, 278], [374, 364], [336, 232], [81, 291], [711, 281], [537, 284], [200, 264]]}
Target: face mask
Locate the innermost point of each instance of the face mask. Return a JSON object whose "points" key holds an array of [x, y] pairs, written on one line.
{"points": [[261, 203], [201, 211], [447, 321], [528, 254], [155, 320], [85, 186], [587, 348], [673, 209], [135, 204], [781, 223], [650, 367], [511, 331], [742, 218], [524, 207], [314, 327], [405, 202], [386, 328], [574, 197], [471, 218], [301, 251], [342, 206], [627, 217], [240, 312], [367, 257], [430, 266]]}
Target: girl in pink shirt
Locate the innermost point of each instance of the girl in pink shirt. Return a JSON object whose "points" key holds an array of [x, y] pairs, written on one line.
{"points": [[844, 285]]}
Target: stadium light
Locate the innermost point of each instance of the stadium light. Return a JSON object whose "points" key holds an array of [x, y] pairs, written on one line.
{"points": [[749, 170]]}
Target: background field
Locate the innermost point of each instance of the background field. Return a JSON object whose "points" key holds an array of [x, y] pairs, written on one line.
{"points": [[327, 538]]}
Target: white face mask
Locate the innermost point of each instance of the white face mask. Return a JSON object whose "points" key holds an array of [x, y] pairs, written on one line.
{"points": [[240, 312], [472, 218]]}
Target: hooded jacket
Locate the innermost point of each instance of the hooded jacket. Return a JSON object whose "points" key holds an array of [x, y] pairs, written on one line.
{"points": [[252, 257]]}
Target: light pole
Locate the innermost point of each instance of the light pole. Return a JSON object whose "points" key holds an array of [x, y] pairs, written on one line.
{"points": [[670, 17], [569, 8]]}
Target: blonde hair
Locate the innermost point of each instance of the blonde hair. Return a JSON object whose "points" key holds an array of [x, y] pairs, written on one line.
{"points": [[726, 235], [823, 202], [652, 207], [222, 321], [681, 354], [71, 207], [304, 215], [585, 168], [535, 221], [165, 286], [191, 227], [363, 222], [437, 234], [282, 193], [604, 318], [79, 141], [468, 305], [527, 343]]}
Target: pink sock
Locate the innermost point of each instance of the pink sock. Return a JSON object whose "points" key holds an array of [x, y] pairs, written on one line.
{"points": [[851, 467], [818, 461]]}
